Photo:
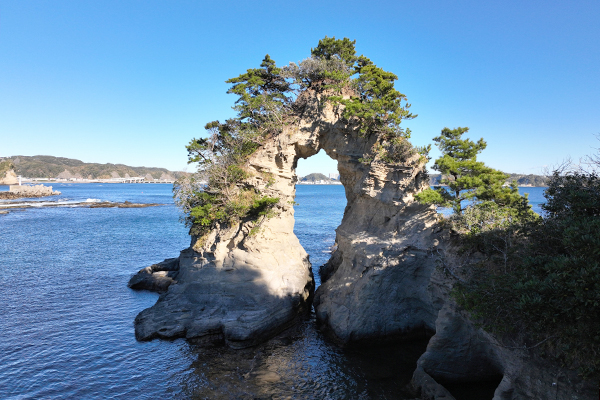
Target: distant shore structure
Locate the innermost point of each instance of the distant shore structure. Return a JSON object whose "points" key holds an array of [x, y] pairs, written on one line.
{"points": [[134, 179]]}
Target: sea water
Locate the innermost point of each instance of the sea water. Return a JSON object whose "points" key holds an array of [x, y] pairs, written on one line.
{"points": [[67, 314]]}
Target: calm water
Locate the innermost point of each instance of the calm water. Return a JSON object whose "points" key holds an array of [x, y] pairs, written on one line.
{"points": [[67, 314]]}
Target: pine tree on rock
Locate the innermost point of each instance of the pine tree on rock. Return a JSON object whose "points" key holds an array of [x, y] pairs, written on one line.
{"points": [[466, 178]]}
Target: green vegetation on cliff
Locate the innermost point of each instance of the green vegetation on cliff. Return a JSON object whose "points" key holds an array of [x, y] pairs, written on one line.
{"points": [[5, 166], [270, 98], [535, 282], [540, 279], [53, 167]]}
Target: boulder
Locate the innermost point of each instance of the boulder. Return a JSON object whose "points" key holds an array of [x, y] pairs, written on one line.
{"points": [[156, 277]]}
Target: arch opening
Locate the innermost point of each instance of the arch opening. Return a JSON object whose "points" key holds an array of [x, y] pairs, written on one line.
{"points": [[318, 210]]}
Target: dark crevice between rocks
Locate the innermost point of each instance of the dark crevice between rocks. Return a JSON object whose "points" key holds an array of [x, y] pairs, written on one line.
{"points": [[478, 390], [480, 384]]}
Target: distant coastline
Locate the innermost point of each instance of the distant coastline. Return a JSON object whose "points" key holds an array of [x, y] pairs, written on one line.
{"points": [[41, 169], [522, 180]]}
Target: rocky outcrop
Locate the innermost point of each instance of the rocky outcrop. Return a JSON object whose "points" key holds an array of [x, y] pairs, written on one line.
{"points": [[9, 178], [386, 279], [243, 283], [157, 277], [33, 191], [462, 358], [378, 284]]}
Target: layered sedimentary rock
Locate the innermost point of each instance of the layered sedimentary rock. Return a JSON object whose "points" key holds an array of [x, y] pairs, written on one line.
{"points": [[377, 283], [245, 282]]}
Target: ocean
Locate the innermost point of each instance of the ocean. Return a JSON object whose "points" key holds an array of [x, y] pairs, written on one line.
{"points": [[67, 313]]}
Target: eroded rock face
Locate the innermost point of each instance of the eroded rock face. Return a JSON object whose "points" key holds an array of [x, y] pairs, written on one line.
{"points": [[9, 178], [462, 355], [387, 278], [243, 283]]}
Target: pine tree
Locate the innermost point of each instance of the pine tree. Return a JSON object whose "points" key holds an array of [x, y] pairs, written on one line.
{"points": [[467, 178]]}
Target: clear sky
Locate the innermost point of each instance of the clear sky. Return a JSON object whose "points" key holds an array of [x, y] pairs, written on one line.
{"points": [[133, 81]]}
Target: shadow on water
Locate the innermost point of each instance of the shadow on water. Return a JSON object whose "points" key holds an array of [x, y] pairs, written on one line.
{"points": [[299, 363]]}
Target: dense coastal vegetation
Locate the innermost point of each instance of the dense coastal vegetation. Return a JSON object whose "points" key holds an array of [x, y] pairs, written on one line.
{"points": [[538, 283], [59, 167], [533, 281]]}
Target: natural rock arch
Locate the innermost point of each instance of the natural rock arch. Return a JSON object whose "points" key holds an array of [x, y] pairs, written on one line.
{"points": [[244, 279], [243, 283]]}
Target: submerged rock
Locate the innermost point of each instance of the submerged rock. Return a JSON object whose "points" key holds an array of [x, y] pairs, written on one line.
{"points": [[125, 204]]}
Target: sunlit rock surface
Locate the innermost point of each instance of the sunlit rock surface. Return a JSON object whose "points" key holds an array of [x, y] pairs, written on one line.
{"points": [[9, 178], [241, 285], [387, 279]]}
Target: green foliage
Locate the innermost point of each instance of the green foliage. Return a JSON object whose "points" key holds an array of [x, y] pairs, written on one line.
{"points": [[262, 105], [467, 178], [430, 196], [5, 166], [211, 209], [269, 98], [548, 286], [264, 99], [377, 106], [331, 48]]}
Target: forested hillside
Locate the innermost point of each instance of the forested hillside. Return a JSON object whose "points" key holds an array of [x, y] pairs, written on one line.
{"points": [[60, 167]]}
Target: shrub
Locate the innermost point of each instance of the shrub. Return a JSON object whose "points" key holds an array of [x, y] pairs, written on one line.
{"points": [[550, 287]]}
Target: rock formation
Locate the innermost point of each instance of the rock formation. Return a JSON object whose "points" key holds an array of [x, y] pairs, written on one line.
{"points": [[386, 280], [9, 178], [460, 354], [33, 191], [242, 284]]}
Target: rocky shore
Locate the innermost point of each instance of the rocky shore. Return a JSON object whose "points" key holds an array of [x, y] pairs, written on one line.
{"points": [[386, 281], [86, 204], [25, 191]]}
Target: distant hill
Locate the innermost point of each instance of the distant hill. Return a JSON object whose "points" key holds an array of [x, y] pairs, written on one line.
{"points": [[529, 180], [315, 177], [60, 167], [5, 166], [521, 179]]}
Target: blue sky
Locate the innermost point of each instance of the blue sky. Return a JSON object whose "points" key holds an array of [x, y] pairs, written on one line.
{"points": [[133, 81]]}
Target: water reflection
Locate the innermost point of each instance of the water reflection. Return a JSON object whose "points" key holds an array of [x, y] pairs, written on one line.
{"points": [[301, 364]]}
